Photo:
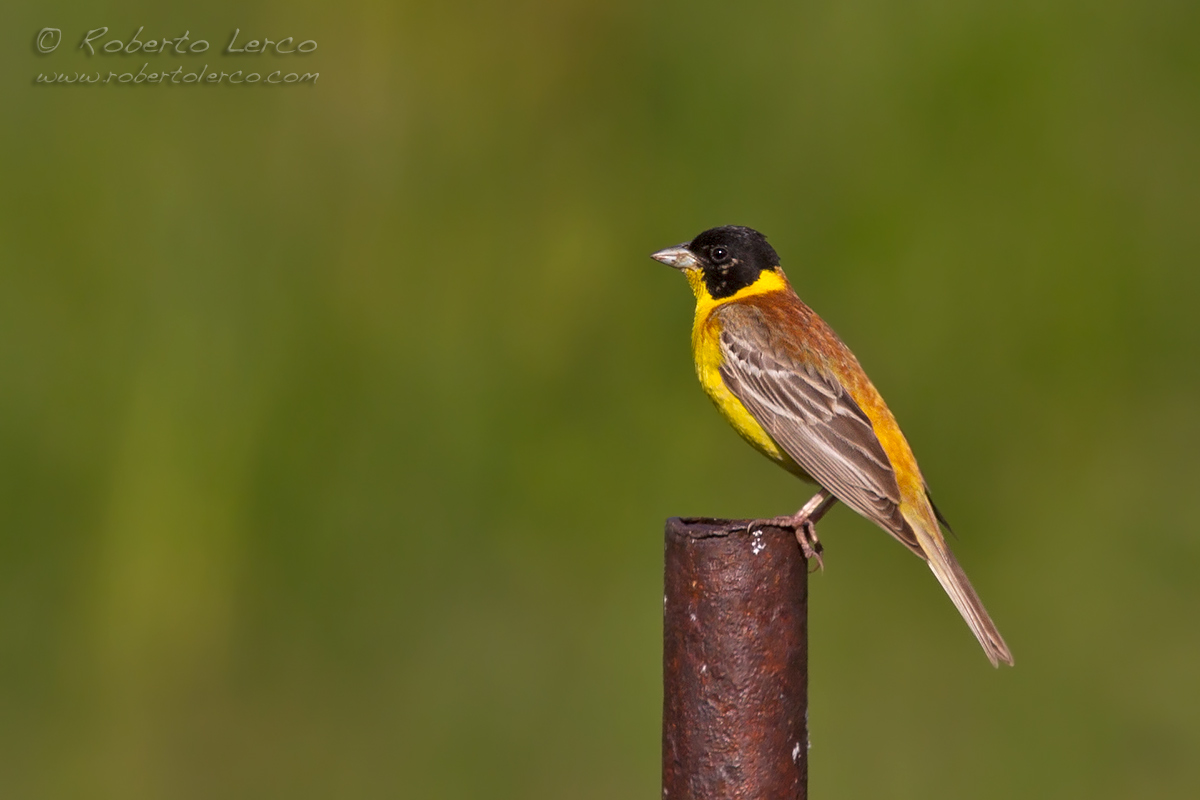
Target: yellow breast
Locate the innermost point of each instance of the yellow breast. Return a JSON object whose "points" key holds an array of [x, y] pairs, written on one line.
{"points": [[706, 350]]}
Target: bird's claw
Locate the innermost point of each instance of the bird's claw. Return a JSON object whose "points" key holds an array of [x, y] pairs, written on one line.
{"points": [[810, 545], [805, 530]]}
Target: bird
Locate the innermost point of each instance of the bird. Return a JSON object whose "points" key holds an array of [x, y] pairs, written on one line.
{"points": [[792, 389]]}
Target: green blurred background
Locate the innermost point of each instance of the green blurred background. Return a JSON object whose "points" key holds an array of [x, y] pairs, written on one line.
{"points": [[338, 423]]}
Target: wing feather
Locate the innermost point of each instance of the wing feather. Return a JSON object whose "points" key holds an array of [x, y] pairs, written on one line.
{"points": [[813, 418]]}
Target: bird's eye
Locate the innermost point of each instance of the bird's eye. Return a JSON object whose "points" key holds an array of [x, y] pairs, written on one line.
{"points": [[719, 254]]}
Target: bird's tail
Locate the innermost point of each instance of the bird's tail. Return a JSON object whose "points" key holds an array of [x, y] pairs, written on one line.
{"points": [[945, 567]]}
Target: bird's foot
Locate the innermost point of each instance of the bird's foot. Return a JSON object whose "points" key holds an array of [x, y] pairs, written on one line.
{"points": [[804, 523], [806, 533]]}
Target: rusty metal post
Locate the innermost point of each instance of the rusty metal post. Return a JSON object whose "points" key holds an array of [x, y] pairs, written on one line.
{"points": [[735, 662]]}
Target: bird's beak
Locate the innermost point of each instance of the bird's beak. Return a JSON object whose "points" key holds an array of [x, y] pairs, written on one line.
{"points": [[678, 257]]}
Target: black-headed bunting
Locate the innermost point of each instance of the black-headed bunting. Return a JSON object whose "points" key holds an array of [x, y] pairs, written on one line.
{"points": [[794, 391]]}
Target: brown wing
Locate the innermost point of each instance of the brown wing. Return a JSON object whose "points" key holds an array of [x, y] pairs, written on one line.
{"points": [[812, 417]]}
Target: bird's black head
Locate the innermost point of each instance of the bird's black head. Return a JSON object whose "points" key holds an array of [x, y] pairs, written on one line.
{"points": [[729, 258]]}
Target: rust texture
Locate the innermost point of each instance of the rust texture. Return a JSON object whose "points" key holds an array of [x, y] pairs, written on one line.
{"points": [[735, 662]]}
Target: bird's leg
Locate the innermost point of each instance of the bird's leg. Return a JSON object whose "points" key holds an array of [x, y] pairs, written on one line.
{"points": [[804, 523]]}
